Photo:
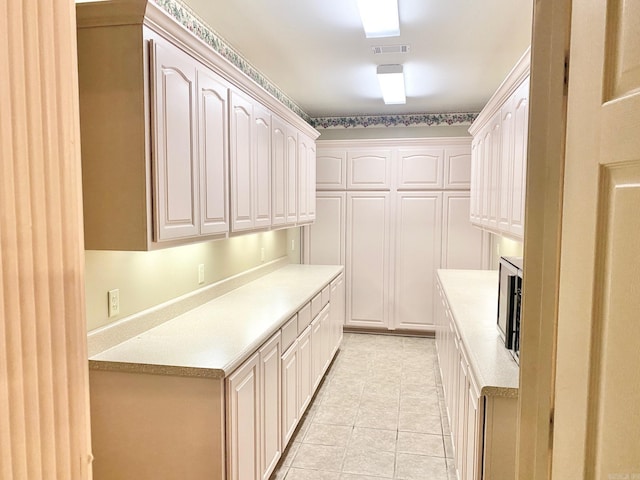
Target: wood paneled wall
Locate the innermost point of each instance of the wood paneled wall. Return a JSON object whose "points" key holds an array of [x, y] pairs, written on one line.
{"points": [[44, 419]]}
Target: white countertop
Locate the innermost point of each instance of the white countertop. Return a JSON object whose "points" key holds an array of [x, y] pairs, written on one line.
{"points": [[216, 337], [473, 299]]}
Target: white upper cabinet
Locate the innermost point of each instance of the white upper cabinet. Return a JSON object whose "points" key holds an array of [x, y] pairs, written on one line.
{"points": [[292, 175], [213, 151], [499, 156], [242, 195], [457, 167], [175, 161], [331, 170], [279, 179], [420, 168], [262, 166], [369, 170], [306, 179]]}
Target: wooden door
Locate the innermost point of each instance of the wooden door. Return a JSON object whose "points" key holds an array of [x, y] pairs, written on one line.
{"points": [[174, 136], [243, 421], [597, 388], [368, 247], [327, 234], [417, 256], [279, 178], [213, 152], [270, 406], [261, 166], [242, 205]]}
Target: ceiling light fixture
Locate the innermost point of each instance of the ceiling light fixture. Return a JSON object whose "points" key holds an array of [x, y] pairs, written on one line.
{"points": [[379, 18], [391, 81]]}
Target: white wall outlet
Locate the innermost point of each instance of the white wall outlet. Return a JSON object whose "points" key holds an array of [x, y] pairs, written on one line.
{"points": [[262, 254], [201, 274], [113, 297], [293, 245]]}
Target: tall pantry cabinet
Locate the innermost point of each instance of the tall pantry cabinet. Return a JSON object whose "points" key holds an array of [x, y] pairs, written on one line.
{"points": [[392, 212]]}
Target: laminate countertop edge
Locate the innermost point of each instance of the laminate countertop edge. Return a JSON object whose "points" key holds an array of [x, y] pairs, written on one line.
{"points": [[212, 340]]}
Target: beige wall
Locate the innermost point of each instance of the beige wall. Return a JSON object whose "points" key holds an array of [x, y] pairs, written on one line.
{"points": [[146, 279], [503, 247], [393, 132]]}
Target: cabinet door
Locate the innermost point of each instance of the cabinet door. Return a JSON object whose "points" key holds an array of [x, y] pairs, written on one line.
{"points": [[279, 179], [305, 378], [311, 181], [369, 169], [292, 175], [331, 169], [368, 217], [457, 167], [303, 184], [494, 179], [506, 164], [476, 177], [240, 145], [175, 162], [270, 406], [337, 311], [213, 152], [417, 256], [290, 375], [463, 245], [243, 421], [317, 350], [485, 181], [461, 433], [261, 166], [327, 233], [420, 168], [521, 135], [473, 431]]}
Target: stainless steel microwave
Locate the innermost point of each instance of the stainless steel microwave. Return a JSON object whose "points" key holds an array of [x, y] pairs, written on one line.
{"points": [[509, 302]]}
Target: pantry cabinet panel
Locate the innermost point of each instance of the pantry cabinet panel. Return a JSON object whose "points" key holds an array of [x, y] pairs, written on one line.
{"points": [[331, 170], [457, 167], [368, 248], [175, 161], [417, 256], [240, 144], [261, 174], [213, 152], [369, 170], [463, 245], [420, 168], [243, 428], [327, 233]]}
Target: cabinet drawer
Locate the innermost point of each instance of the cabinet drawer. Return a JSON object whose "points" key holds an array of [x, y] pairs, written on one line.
{"points": [[304, 317], [326, 295], [289, 332], [316, 305]]}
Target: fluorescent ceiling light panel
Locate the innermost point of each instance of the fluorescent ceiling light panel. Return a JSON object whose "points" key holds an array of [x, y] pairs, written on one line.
{"points": [[379, 18], [391, 81]]}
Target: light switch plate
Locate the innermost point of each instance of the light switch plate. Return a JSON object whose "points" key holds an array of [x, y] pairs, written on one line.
{"points": [[113, 297]]}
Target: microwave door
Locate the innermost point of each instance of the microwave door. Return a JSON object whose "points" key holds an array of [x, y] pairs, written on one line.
{"points": [[515, 331], [505, 304]]}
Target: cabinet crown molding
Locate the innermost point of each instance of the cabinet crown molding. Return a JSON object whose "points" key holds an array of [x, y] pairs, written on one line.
{"points": [[394, 142], [515, 77]]}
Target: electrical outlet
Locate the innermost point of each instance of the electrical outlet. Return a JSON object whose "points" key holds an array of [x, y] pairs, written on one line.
{"points": [[113, 297], [201, 274], [262, 254]]}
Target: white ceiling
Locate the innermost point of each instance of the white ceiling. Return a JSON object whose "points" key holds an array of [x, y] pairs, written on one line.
{"points": [[316, 51]]}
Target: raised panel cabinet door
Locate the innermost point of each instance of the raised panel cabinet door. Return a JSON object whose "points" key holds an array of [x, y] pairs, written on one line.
{"points": [[175, 161], [262, 166], [417, 256], [240, 148], [337, 311], [279, 180], [461, 434], [317, 351], [305, 372], [368, 218], [485, 180], [463, 245], [292, 175], [473, 432], [331, 169], [420, 168], [476, 170], [327, 234], [369, 169], [213, 117], [311, 181], [303, 185], [270, 406], [521, 135], [243, 421], [457, 167], [290, 374], [506, 164], [494, 178]]}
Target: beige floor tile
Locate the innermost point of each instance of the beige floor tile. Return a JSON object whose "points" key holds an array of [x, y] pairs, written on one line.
{"points": [[322, 434], [318, 457], [419, 404], [369, 462], [304, 474], [374, 418], [351, 476], [420, 423], [421, 444], [373, 439], [336, 397], [336, 415], [374, 399], [420, 467]]}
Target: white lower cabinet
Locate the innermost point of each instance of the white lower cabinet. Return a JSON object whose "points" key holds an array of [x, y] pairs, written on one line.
{"points": [[270, 406], [290, 373], [305, 376]]}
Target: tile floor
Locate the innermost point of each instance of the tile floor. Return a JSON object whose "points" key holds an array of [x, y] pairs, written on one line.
{"points": [[379, 413]]}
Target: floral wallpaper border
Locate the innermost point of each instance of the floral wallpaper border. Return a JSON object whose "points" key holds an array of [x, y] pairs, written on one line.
{"points": [[417, 119], [192, 22]]}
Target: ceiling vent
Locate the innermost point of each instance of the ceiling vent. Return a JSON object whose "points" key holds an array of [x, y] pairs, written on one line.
{"points": [[390, 49]]}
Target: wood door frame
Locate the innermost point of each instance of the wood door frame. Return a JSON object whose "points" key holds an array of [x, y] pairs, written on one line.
{"points": [[545, 171]]}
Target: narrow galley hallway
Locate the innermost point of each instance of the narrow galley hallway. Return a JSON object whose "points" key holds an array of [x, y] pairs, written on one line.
{"points": [[379, 413]]}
